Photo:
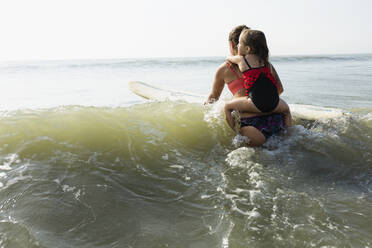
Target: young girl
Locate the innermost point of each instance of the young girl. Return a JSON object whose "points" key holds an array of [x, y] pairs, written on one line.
{"points": [[260, 79]]}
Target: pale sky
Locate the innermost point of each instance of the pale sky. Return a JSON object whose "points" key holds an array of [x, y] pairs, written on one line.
{"points": [[92, 29]]}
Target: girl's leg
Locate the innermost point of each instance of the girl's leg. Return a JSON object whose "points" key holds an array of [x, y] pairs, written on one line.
{"points": [[241, 104], [284, 108]]}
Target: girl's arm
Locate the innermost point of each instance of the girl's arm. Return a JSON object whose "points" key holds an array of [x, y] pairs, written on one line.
{"points": [[238, 60], [235, 59], [276, 76]]}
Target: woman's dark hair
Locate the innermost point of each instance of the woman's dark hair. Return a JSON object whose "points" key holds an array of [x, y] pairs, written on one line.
{"points": [[256, 40], [235, 33]]}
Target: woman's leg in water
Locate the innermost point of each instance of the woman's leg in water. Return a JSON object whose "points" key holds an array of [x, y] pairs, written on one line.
{"points": [[255, 137], [284, 108], [241, 104]]}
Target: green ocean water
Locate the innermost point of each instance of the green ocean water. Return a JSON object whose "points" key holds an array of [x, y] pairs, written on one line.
{"points": [[122, 172]]}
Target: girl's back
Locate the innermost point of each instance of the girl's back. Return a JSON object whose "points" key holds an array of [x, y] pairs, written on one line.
{"points": [[261, 85]]}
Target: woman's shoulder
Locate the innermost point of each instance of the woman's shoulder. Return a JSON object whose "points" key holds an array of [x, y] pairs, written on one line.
{"points": [[227, 68], [224, 66], [227, 72], [222, 69]]}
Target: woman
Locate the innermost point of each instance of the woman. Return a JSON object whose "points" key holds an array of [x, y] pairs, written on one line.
{"points": [[256, 127]]}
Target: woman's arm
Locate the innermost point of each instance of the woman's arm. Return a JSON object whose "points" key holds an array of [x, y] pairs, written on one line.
{"points": [[276, 76], [218, 85]]}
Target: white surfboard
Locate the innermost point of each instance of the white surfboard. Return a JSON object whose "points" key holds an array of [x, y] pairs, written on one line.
{"points": [[151, 92]]}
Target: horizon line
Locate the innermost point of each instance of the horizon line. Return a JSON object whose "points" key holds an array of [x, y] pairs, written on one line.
{"points": [[173, 57]]}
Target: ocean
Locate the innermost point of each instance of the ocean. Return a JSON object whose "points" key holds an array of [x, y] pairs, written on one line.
{"points": [[86, 163]]}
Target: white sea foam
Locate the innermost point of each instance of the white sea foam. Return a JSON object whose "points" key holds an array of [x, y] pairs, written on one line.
{"points": [[241, 157], [165, 156], [176, 166], [240, 140], [9, 160]]}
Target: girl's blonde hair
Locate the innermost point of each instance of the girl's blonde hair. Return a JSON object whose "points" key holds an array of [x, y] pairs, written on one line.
{"points": [[256, 40]]}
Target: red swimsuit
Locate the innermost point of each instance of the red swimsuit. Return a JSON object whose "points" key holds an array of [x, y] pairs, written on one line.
{"points": [[261, 87], [237, 84]]}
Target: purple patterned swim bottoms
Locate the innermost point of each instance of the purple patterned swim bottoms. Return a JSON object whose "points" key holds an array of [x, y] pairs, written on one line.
{"points": [[267, 124]]}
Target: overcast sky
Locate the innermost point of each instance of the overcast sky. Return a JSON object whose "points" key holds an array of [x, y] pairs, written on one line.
{"points": [[92, 29]]}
